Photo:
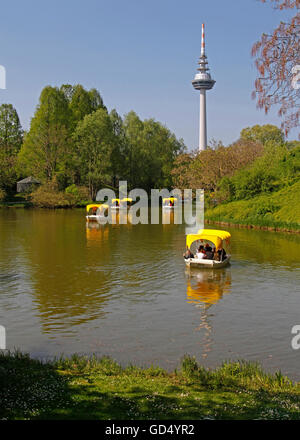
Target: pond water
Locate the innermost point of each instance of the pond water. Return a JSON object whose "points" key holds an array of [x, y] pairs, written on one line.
{"points": [[124, 291]]}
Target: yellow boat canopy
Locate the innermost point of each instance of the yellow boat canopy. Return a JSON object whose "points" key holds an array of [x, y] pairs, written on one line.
{"points": [[169, 198], [126, 199], [94, 205], [88, 207], [216, 237]]}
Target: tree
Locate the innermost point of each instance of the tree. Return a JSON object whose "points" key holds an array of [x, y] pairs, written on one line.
{"points": [[94, 140], [277, 61], [262, 134], [11, 134], [81, 101], [206, 168], [152, 151], [46, 148], [120, 150]]}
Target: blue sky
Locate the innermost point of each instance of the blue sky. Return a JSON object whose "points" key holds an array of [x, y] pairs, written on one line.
{"points": [[141, 55]]}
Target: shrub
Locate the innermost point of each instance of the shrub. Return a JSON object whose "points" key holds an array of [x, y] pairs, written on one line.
{"points": [[48, 196], [80, 194], [2, 194]]}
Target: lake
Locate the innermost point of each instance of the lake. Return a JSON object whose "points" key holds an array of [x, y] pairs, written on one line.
{"points": [[124, 291]]}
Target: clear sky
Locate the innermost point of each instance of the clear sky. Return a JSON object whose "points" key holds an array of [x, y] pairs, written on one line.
{"points": [[141, 55]]}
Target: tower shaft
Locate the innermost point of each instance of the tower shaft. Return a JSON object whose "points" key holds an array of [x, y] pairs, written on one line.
{"points": [[202, 125]]}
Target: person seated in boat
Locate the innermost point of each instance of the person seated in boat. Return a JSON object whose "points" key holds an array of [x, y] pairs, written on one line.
{"points": [[188, 254], [208, 247], [94, 210], [209, 254], [222, 254], [216, 255], [201, 254]]}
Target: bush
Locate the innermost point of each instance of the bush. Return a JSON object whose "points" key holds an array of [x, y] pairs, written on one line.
{"points": [[48, 196], [80, 194], [2, 194]]}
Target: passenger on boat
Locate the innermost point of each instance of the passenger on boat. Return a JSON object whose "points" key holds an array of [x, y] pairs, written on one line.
{"points": [[222, 254], [188, 254], [94, 210], [209, 255], [216, 255], [208, 247], [201, 254]]}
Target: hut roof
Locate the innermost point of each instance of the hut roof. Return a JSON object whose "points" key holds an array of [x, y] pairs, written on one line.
{"points": [[29, 179]]}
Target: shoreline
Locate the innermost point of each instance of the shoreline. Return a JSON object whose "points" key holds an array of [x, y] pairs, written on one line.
{"points": [[27, 205], [80, 388], [252, 226]]}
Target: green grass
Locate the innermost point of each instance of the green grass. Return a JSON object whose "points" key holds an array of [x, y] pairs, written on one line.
{"points": [[279, 210], [91, 388]]}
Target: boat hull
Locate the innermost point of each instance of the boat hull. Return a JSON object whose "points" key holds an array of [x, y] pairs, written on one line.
{"points": [[207, 264]]}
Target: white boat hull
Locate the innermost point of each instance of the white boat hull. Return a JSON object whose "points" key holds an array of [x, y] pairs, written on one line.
{"points": [[207, 264], [91, 218]]}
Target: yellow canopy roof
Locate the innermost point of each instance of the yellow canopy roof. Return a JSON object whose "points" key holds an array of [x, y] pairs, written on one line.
{"points": [[169, 198], [216, 237], [88, 207], [126, 199], [101, 206]]}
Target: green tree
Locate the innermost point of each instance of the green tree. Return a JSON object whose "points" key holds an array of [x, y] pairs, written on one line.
{"points": [[11, 134], [262, 134], [94, 140], [46, 149], [81, 101], [120, 150], [152, 152]]}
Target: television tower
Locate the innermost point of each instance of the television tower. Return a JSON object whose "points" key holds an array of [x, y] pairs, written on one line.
{"points": [[203, 82]]}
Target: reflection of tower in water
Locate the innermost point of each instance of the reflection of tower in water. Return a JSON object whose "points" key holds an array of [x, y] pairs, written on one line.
{"points": [[205, 289]]}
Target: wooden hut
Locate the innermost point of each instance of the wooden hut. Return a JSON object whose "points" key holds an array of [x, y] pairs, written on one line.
{"points": [[27, 185]]}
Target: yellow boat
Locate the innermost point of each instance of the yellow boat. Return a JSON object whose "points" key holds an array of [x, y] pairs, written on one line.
{"points": [[121, 203], [94, 211], [169, 202], [217, 238]]}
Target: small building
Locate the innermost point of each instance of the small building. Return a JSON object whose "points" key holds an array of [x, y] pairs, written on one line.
{"points": [[28, 184]]}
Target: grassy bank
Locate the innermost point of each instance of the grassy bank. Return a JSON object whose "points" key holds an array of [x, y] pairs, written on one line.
{"points": [[277, 211], [81, 388]]}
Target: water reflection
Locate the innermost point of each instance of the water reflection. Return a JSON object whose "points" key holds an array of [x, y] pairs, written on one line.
{"points": [[206, 288]]}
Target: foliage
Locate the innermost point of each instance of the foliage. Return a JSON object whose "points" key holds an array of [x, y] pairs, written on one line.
{"points": [[276, 168], [91, 388], [2, 194], [11, 132], [205, 169], [276, 56], [48, 196], [280, 210], [152, 149], [262, 134], [11, 135], [80, 194], [46, 146], [94, 142]]}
